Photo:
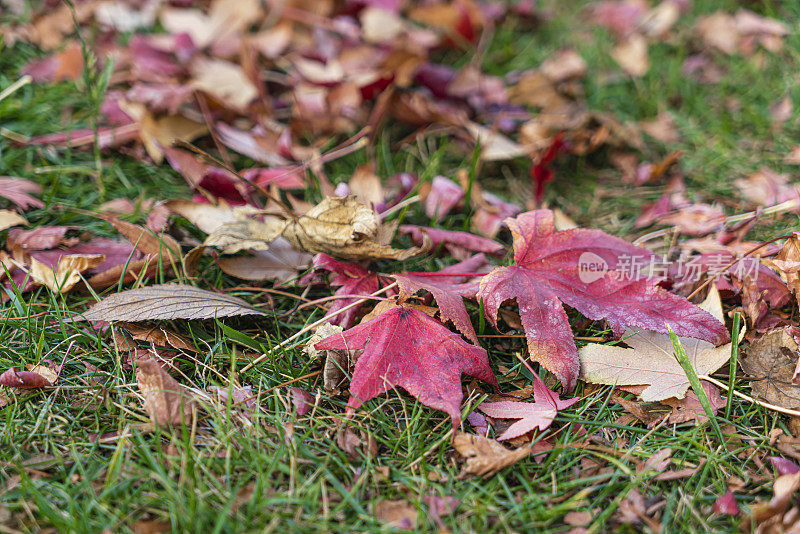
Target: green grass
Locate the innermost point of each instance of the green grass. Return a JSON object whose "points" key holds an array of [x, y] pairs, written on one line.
{"points": [[284, 473]]}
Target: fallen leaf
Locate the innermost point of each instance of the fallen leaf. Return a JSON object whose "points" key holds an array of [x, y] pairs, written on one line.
{"points": [[67, 272], [165, 400], [407, 348], [351, 279], [224, 81], [577, 267], [448, 290], [337, 363], [726, 505], [281, 262], [689, 408], [24, 379], [444, 194], [632, 55], [10, 218], [167, 301], [344, 229], [17, 191], [537, 414], [399, 514], [485, 457], [158, 335], [454, 241], [767, 188], [649, 359], [771, 362], [302, 400]]}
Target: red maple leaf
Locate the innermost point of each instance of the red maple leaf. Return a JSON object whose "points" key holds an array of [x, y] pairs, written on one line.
{"points": [[448, 289], [353, 279], [407, 348], [577, 268]]}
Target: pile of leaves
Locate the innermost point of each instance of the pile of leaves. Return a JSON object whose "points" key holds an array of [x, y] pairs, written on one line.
{"points": [[294, 86]]}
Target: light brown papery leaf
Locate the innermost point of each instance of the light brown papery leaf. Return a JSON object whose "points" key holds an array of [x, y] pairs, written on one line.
{"points": [[67, 272], [165, 400], [399, 514], [168, 301], [484, 456], [345, 229], [206, 217], [632, 55], [282, 262], [650, 360], [224, 81], [366, 186], [10, 218]]}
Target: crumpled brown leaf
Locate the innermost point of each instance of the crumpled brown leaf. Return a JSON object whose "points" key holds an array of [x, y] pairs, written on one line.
{"points": [[485, 457], [342, 227], [168, 301], [165, 400], [771, 361], [345, 229]]}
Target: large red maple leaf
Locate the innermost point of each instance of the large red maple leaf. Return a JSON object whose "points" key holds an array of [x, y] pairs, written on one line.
{"points": [[551, 269], [407, 348], [448, 290]]}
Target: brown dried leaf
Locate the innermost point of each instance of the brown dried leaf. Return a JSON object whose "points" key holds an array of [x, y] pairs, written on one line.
{"points": [[282, 262], [157, 245], [485, 456], [771, 361], [158, 335], [632, 55], [399, 514], [165, 400], [168, 301], [204, 216]]}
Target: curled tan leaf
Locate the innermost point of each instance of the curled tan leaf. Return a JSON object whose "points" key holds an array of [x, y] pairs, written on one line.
{"points": [[485, 457]]}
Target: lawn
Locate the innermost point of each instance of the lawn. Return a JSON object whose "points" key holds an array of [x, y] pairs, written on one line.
{"points": [[277, 471]]}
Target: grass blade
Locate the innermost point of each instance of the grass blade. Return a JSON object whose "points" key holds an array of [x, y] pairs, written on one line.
{"points": [[734, 359], [697, 387]]}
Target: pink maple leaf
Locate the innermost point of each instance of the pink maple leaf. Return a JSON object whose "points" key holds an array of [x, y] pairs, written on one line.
{"points": [[577, 268], [537, 414], [407, 348]]}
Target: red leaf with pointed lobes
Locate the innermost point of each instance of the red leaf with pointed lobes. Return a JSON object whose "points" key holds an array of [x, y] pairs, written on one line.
{"points": [[353, 279], [579, 268], [448, 291], [407, 348]]}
